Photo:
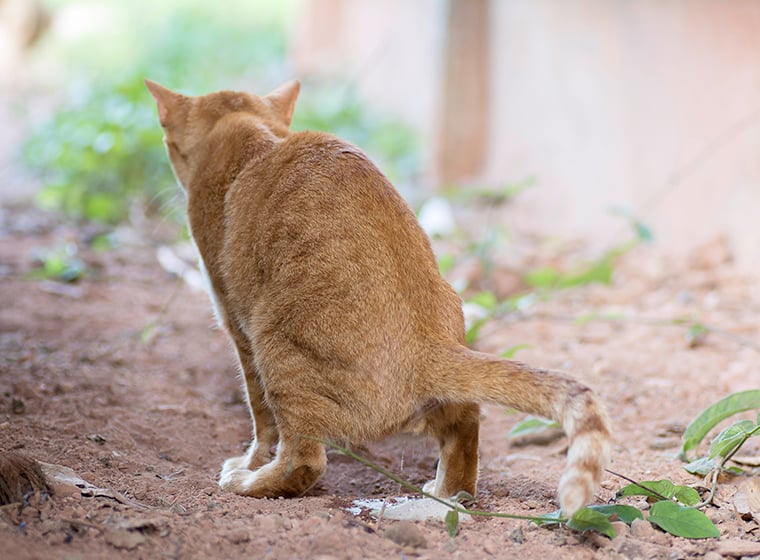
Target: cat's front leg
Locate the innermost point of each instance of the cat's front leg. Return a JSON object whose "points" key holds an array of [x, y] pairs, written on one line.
{"points": [[265, 432], [296, 468]]}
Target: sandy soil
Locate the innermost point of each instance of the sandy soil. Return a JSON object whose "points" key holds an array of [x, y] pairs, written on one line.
{"points": [[123, 378]]}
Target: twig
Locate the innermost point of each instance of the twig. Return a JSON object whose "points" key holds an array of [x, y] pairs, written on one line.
{"points": [[416, 489], [656, 494]]}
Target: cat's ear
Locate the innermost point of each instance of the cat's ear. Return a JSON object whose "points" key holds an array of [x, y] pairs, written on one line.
{"points": [[166, 100], [283, 99]]}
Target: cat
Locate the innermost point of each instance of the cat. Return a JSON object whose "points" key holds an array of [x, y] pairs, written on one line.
{"points": [[328, 288]]}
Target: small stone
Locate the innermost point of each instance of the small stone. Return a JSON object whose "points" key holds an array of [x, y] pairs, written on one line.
{"points": [[239, 535], [621, 528], [18, 406], [406, 533], [738, 548], [122, 538], [270, 523], [641, 529], [516, 536], [712, 555]]}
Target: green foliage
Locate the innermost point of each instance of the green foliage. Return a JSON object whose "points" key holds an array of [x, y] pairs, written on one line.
{"points": [[596, 272], [101, 154], [510, 352], [716, 413], [339, 112], [587, 519], [682, 521], [594, 518], [60, 262], [661, 490], [619, 512], [531, 425], [499, 194], [728, 441], [452, 523]]}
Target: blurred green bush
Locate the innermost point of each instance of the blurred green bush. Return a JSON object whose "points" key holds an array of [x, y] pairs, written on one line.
{"points": [[101, 154]]}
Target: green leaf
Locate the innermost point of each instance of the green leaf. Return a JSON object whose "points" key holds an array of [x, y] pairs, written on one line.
{"points": [[445, 263], [614, 512], [553, 518], [696, 333], [659, 489], [586, 519], [702, 466], [731, 438], [541, 278], [656, 489], [531, 425], [452, 523], [711, 416], [643, 232], [486, 300], [472, 333], [509, 353], [686, 495], [682, 521]]}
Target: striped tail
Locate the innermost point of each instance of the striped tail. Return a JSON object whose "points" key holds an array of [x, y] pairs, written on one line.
{"points": [[463, 375]]}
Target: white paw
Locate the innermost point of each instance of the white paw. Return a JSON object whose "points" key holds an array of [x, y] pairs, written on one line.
{"points": [[235, 463], [429, 487], [236, 480]]}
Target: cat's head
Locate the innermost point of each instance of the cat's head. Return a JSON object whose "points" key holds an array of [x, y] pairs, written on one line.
{"points": [[188, 121]]}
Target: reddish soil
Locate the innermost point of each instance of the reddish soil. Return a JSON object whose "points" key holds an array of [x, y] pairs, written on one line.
{"points": [[122, 377]]}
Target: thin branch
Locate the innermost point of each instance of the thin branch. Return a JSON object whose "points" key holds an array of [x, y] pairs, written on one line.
{"points": [[656, 494], [416, 489]]}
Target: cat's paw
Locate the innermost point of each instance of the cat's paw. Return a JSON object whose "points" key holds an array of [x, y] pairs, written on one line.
{"points": [[237, 481], [429, 487], [235, 463]]}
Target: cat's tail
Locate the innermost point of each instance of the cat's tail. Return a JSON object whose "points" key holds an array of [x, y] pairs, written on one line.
{"points": [[464, 375]]}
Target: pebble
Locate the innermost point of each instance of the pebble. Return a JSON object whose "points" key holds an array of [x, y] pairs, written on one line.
{"points": [[621, 528], [641, 529], [122, 538], [738, 548], [516, 536], [239, 535], [406, 533]]}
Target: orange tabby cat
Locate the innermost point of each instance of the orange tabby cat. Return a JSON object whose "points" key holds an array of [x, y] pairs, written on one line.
{"points": [[329, 290]]}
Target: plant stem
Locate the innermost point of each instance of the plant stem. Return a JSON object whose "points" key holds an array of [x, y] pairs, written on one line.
{"points": [[345, 450], [657, 494]]}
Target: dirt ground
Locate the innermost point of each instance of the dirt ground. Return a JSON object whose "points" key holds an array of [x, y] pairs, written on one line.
{"points": [[123, 378]]}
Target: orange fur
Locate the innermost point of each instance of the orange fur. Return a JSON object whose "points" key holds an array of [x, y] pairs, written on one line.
{"points": [[331, 295]]}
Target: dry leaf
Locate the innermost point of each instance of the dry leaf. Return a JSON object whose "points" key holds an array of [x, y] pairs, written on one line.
{"points": [[747, 499]]}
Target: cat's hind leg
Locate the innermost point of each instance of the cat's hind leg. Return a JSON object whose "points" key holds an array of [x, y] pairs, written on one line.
{"points": [[297, 466], [456, 428]]}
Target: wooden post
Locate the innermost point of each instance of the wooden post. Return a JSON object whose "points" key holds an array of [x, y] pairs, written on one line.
{"points": [[463, 133]]}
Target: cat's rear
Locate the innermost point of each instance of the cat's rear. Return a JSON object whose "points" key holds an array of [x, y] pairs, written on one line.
{"points": [[330, 292]]}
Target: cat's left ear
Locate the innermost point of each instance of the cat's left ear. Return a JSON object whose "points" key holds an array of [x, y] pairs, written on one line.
{"points": [[166, 100], [283, 99]]}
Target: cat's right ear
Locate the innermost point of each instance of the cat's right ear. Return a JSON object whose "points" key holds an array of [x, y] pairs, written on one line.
{"points": [[166, 100], [283, 100]]}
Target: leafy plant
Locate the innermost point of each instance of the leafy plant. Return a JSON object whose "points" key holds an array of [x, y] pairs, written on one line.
{"points": [[101, 154], [60, 262], [599, 271], [714, 414]]}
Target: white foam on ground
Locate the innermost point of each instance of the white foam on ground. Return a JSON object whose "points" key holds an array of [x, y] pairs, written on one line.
{"points": [[404, 508]]}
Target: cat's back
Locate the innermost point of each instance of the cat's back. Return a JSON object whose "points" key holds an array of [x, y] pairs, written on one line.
{"points": [[323, 224], [315, 185]]}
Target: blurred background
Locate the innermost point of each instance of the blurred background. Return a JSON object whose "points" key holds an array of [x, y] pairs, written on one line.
{"points": [[579, 118]]}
